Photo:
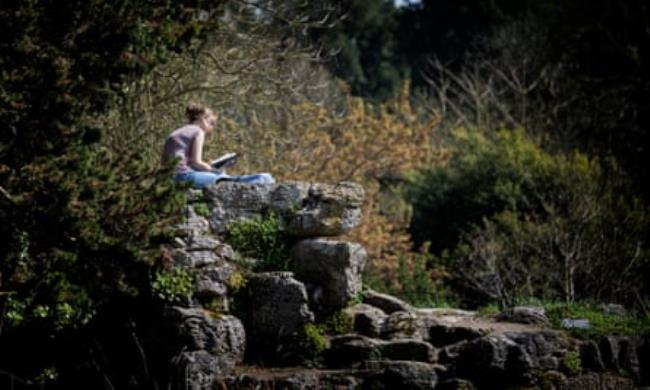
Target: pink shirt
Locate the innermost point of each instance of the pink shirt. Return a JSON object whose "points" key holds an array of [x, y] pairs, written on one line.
{"points": [[178, 145]]}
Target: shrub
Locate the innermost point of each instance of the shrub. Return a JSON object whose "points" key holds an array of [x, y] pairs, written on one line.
{"points": [[172, 286], [262, 238], [511, 221]]}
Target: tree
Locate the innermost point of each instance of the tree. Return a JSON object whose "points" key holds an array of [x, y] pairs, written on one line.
{"points": [[512, 221], [81, 224]]}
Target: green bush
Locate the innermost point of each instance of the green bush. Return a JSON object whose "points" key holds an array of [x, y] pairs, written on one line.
{"points": [[262, 238], [422, 283], [511, 221], [172, 286], [601, 323]]}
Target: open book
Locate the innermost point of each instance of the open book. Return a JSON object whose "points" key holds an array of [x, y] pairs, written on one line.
{"points": [[226, 160]]}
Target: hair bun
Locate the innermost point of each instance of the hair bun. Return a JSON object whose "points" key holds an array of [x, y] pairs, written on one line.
{"points": [[194, 111]]}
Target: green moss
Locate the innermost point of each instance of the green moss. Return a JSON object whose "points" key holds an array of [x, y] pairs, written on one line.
{"points": [[172, 286], [571, 363], [262, 238], [201, 209], [600, 322], [338, 323]]}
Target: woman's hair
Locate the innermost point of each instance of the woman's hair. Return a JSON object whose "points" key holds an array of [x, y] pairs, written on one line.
{"points": [[194, 111]]}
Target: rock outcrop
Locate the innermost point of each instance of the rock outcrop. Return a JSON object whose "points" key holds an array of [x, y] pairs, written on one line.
{"points": [[237, 316]]}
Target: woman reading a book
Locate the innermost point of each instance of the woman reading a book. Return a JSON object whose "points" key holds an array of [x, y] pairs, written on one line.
{"points": [[185, 145]]}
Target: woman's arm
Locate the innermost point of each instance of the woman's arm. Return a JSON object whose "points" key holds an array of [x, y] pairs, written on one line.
{"points": [[196, 154]]}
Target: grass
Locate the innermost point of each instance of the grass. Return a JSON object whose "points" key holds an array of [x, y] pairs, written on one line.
{"points": [[600, 322]]}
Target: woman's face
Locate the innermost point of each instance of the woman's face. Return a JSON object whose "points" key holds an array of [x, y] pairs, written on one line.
{"points": [[208, 121]]}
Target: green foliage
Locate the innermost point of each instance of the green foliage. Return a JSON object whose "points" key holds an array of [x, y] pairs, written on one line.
{"points": [[338, 323], [312, 340], [421, 283], [601, 323], [262, 238], [513, 221], [172, 286], [202, 209], [571, 362], [364, 46]]}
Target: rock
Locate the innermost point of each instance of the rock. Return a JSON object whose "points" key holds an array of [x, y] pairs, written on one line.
{"points": [[509, 359], [289, 197], [202, 243], [401, 375], [193, 259], [388, 303], [578, 323], [197, 370], [230, 201], [446, 334], [308, 210], [367, 320], [211, 285], [277, 304], [455, 384], [329, 210], [404, 324], [333, 267], [351, 350], [195, 330], [192, 225], [613, 309], [524, 315], [598, 381], [590, 357], [408, 349], [619, 354]]}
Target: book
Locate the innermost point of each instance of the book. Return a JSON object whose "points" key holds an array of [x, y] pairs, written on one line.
{"points": [[226, 160]]}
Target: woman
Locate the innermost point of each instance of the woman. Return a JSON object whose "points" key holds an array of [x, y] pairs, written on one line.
{"points": [[185, 145]]}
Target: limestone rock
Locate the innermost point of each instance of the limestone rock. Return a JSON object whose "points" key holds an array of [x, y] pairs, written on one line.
{"points": [[197, 370], [211, 285], [275, 305], [511, 358], [388, 303], [307, 209], [404, 324], [351, 350], [446, 334], [598, 381], [230, 201], [402, 375], [367, 320], [196, 330], [192, 225], [619, 354], [331, 269], [408, 349], [329, 210], [524, 315], [193, 259]]}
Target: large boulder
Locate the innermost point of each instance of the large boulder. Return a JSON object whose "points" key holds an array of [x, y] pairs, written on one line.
{"points": [[524, 315], [208, 345], [307, 209], [196, 329], [276, 304], [620, 354], [442, 334], [511, 358], [388, 303], [401, 375], [274, 309], [366, 320], [230, 201], [328, 210], [331, 269]]}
